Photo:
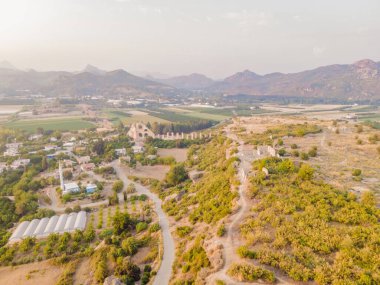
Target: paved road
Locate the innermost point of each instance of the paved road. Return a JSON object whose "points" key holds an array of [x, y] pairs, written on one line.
{"points": [[165, 271]]}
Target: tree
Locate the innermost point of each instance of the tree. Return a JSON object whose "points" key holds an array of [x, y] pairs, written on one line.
{"points": [[306, 172], [141, 226], [117, 186], [44, 163], [67, 174], [130, 245], [313, 151], [176, 174], [304, 156], [120, 222], [99, 147], [131, 188], [128, 269]]}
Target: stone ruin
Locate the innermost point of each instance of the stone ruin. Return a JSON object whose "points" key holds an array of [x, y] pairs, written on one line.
{"points": [[139, 132]]}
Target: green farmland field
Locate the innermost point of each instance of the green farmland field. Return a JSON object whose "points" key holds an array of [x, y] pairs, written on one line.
{"points": [[50, 124]]}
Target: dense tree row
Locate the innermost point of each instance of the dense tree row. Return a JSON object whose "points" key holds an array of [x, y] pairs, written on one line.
{"points": [[182, 127]]}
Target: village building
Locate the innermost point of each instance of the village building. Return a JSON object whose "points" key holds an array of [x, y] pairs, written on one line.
{"points": [[35, 137], [50, 147], [70, 188], [68, 145], [67, 188], [138, 149], [12, 149], [120, 151], [91, 188]]}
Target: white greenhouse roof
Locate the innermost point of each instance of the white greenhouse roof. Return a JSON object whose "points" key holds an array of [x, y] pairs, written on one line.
{"points": [[56, 224]]}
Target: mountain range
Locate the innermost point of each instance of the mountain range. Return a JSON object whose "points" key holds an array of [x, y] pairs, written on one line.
{"points": [[90, 81], [359, 81]]}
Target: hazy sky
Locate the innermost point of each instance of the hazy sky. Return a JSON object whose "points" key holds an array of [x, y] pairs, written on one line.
{"points": [[175, 37]]}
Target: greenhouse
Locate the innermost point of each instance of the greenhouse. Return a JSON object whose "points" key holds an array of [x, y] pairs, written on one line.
{"points": [[40, 228]]}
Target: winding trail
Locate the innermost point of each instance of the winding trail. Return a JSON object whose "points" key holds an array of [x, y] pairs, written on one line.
{"points": [[231, 241], [165, 271]]}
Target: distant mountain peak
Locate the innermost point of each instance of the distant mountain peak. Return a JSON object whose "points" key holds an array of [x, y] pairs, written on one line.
{"points": [[193, 81], [243, 76], [367, 69], [93, 69], [365, 63], [7, 65]]}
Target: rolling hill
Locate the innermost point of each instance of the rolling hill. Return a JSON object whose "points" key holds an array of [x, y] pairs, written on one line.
{"points": [[92, 81], [359, 81]]}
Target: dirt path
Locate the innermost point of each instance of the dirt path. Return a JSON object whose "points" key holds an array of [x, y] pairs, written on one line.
{"points": [[231, 242], [164, 273]]}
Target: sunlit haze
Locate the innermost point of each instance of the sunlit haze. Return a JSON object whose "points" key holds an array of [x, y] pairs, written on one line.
{"points": [[175, 37]]}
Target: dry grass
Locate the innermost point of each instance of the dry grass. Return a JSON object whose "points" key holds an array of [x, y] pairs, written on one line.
{"points": [[41, 273]]}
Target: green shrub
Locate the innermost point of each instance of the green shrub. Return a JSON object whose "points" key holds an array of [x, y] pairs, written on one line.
{"points": [[183, 231], [221, 230], [141, 226], [304, 156], [245, 272]]}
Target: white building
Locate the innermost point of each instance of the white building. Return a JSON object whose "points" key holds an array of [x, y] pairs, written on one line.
{"points": [[138, 149], [67, 188], [70, 188], [50, 147], [35, 137], [120, 151], [12, 149]]}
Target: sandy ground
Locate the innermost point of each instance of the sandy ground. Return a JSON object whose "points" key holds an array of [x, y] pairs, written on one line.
{"points": [[82, 274], [10, 109], [180, 154], [338, 154], [136, 112], [41, 273], [154, 171]]}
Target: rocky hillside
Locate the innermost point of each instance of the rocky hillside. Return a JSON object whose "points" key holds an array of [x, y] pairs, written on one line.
{"points": [[358, 81], [90, 82], [193, 81]]}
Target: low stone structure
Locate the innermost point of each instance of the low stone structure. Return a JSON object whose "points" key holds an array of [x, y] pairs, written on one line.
{"points": [[139, 132]]}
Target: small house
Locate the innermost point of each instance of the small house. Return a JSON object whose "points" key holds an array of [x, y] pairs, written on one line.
{"points": [[91, 188], [69, 188]]}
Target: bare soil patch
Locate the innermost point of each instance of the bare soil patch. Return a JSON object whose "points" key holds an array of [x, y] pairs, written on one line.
{"points": [[148, 171], [180, 154], [41, 273]]}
